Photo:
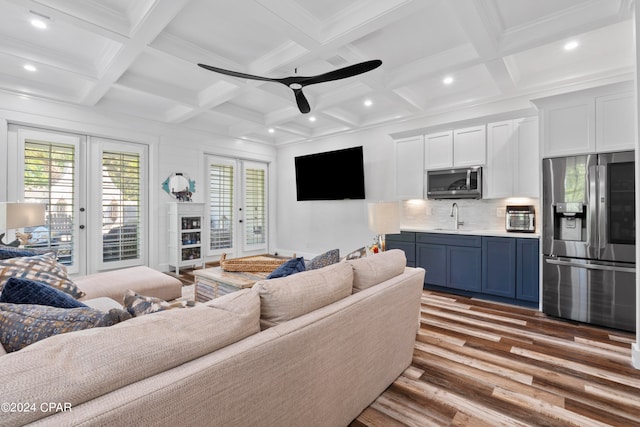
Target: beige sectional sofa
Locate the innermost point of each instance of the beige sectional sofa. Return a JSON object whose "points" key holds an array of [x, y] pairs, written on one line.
{"points": [[331, 341]]}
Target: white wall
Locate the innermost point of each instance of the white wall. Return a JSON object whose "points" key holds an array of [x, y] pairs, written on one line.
{"points": [[173, 148]]}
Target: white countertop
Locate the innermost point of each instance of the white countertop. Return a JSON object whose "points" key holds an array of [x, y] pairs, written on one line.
{"points": [[477, 232]]}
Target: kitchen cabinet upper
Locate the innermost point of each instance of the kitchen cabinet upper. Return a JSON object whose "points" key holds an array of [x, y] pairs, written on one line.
{"points": [[513, 159], [456, 148], [589, 121]]}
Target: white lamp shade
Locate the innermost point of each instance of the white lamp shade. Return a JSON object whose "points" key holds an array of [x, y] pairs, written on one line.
{"points": [[19, 215], [384, 217]]}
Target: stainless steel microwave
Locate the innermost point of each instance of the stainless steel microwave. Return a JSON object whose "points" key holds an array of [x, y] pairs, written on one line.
{"points": [[455, 183]]}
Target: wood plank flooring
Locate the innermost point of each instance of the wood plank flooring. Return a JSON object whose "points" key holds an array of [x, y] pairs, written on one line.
{"points": [[477, 363]]}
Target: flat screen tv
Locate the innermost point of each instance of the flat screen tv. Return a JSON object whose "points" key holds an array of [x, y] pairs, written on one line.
{"points": [[332, 175]]}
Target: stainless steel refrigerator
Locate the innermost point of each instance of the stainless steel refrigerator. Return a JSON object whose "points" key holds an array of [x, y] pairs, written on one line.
{"points": [[588, 239]]}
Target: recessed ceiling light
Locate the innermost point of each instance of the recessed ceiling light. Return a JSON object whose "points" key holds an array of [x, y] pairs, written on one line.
{"points": [[571, 45], [39, 23], [271, 130], [30, 67], [368, 103], [447, 80], [312, 118]]}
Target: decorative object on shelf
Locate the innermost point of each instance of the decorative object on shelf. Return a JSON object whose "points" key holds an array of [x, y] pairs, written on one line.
{"points": [[384, 218], [179, 186], [296, 83], [14, 215]]}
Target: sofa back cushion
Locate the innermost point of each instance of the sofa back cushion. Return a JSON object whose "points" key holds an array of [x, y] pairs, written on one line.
{"points": [[377, 268], [80, 366], [288, 297]]}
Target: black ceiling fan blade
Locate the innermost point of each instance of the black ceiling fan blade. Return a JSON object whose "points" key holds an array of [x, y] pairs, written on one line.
{"points": [[342, 73], [301, 100], [237, 74]]}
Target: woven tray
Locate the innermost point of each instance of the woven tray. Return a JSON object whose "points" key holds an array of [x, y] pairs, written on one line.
{"points": [[251, 264]]}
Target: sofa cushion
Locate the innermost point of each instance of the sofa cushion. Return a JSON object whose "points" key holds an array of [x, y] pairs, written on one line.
{"points": [[141, 279], [108, 359], [288, 297], [138, 305], [43, 268], [24, 291], [25, 324], [377, 268], [292, 266]]}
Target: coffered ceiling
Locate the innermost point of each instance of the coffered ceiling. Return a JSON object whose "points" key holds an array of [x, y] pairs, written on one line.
{"points": [[139, 57]]}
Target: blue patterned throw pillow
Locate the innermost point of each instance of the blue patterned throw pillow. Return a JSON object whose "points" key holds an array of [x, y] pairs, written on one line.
{"points": [[293, 266], [43, 268], [25, 324], [325, 259], [25, 291]]}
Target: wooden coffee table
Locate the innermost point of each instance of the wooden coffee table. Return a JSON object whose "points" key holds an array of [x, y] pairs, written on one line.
{"points": [[214, 282]]}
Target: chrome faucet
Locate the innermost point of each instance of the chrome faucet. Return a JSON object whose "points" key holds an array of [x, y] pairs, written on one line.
{"points": [[454, 214]]}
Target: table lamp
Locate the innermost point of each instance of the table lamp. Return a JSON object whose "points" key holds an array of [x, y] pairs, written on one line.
{"points": [[384, 218], [14, 215]]}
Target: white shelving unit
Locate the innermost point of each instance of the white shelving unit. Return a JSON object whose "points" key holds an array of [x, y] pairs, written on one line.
{"points": [[186, 221]]}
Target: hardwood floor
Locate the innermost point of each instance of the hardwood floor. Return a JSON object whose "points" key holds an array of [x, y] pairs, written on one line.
{"points": [[485, 364]]}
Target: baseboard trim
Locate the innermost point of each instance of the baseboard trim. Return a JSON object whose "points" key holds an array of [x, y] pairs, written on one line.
{"points": [[635, 355]]}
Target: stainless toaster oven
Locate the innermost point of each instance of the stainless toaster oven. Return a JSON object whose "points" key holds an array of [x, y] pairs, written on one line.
{"points": [[520, 218]]}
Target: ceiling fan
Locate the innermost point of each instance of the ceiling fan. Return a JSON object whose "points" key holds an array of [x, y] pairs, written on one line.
{"points": [[296, 83]]}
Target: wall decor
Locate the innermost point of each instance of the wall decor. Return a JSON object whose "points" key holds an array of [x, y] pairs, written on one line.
{"points": [[179, 186]]}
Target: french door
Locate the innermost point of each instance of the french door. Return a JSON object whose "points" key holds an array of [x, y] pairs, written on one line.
{"points": [[94, 191], [237, 200]]}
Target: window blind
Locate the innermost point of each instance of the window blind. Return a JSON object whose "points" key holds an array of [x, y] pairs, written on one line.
{"points": [[254, 201], [221, 206], [121, 206], [49, 177]]}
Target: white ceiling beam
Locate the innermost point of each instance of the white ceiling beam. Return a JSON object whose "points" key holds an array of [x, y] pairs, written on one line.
{"points": [[154, 22], [476, 23]]}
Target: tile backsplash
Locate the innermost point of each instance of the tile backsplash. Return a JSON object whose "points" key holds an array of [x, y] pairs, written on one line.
{"points": [[485, 214]]}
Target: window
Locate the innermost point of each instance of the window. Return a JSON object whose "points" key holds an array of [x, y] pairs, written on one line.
{"points": [[49, 175], [95, 192], [120, 206], [237, 207], [255, 218], [221, 197]]}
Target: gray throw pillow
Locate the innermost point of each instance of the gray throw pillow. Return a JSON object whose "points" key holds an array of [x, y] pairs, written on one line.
{"points": [[25, 324]]}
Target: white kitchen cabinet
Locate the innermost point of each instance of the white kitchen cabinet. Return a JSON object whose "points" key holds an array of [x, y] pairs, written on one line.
{"points": [[527, 163], [615, 116], [594, 120], [186, 221], [513, 159], [498, 174], [456, 148], [438, 153], [469, 146], [409, 167], [569, 127]]}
